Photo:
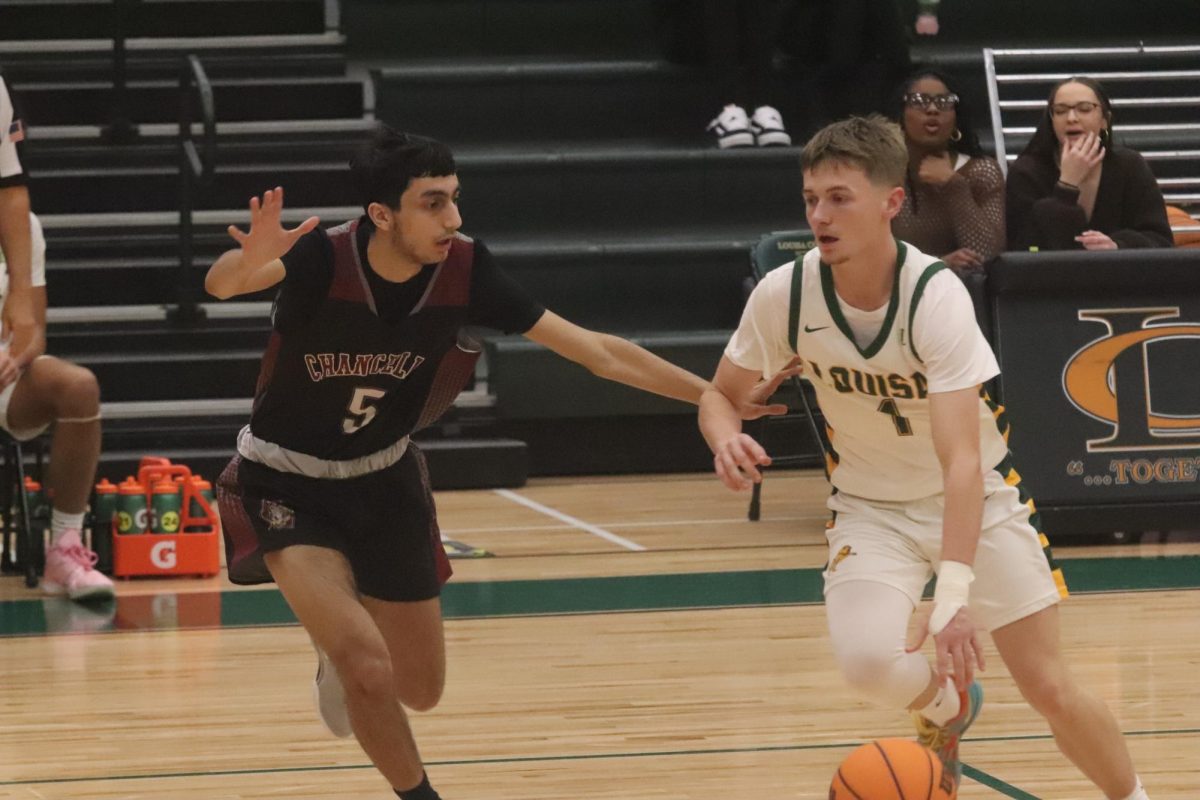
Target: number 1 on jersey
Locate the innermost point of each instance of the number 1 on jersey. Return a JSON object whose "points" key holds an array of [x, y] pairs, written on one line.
{"points": [[903, 426], [361, 408]]}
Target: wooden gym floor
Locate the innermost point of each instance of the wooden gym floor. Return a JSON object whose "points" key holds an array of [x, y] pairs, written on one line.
{"points": [[625, 638]]}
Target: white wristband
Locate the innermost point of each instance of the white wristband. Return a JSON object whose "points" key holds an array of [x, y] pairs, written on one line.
{"points": [[953, 585]]}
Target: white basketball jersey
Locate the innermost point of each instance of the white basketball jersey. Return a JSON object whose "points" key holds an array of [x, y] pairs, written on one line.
{"points": [[875, 398]]}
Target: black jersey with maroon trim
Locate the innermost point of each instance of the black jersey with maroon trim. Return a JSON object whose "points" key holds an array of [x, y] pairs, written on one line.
{"points": [[347, 383]]}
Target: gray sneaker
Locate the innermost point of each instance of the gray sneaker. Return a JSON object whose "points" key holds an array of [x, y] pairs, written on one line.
{"points": [[330, 698]]}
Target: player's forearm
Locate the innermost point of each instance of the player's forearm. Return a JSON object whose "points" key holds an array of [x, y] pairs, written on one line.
{"points": [[719, 419], [964, 509], [224, 276], [626, 362], [231, 275], [16, 238]]}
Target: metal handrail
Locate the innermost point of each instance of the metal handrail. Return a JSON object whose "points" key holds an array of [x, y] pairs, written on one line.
{"points": [[1151, 155], [1118, 102], [1141, 50], [989, 66], [1122, 128], [1169, 155], [195, 171], [1107, 77]]}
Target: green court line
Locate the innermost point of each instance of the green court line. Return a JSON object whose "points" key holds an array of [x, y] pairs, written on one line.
{"points": [[993, 782], [266, 607], [972, 772]]}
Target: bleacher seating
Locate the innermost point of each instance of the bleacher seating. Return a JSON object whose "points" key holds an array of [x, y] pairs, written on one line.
{"points": [[1155, 92]]}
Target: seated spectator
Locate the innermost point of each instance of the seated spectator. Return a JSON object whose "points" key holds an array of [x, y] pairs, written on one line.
{"points": [[37, 390], [954, 194], [1073, 187], [48, 391]]}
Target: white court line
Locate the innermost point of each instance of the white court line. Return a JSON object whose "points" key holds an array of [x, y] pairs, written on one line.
{"points": [[658, 524], [578, 523]]}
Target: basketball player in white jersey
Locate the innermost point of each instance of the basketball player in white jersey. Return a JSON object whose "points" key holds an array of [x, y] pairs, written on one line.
{"points": [[922, 479]]}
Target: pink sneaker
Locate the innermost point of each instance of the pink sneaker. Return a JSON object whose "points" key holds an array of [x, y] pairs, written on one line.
{"points": [[70, 571]]}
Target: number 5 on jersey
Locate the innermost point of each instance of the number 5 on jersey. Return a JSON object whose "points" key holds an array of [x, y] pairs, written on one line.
{"points": [[362, 409]]}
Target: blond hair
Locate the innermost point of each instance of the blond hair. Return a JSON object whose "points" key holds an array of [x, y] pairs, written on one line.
{"points": [[873, 143]]}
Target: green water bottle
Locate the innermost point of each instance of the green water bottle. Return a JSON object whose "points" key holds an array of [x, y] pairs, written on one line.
{"points": [[104, 507], [131, 507], [205, 490], [165, 505]]}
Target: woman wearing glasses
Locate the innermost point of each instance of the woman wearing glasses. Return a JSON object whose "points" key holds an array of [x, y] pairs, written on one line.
{"points": [[954, 195], [1073, 188]]}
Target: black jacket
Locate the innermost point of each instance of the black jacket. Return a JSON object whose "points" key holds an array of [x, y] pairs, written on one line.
{"points": [[1129, 205]]}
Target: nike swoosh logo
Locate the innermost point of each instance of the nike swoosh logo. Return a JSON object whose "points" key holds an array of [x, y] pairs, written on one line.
{"points": [[814, 330]]}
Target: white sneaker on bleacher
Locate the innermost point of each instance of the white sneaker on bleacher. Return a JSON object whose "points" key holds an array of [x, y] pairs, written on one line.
{"points": [[732, 128], [767, 127]]}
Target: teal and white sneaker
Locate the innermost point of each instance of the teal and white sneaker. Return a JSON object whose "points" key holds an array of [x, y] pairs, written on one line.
{"points": [[943, 739]]}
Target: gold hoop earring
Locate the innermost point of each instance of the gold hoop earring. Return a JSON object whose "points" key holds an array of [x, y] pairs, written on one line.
{"points": [[956, 136]]}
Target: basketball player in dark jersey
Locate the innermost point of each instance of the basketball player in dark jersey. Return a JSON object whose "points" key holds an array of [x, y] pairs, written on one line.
{"points": [[327, 496]]}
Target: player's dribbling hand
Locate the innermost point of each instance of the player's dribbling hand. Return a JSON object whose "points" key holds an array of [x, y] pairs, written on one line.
{"points": [[267, 239], [959, 651], [737, 460], [756, 405]]}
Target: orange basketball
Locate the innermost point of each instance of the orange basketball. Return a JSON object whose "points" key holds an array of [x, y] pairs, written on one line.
{"points": [[891, 769]]}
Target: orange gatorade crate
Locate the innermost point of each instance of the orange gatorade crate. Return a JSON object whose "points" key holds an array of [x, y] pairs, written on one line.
{"points": [[188, 539]]}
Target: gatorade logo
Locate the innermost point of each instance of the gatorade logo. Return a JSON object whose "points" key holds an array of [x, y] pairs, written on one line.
{"points": [[162, 555], [1120, 396]]}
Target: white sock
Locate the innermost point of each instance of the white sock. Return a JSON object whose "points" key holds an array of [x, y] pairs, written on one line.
{"points": [[1139, 791], [61, 522], [944, 706]]}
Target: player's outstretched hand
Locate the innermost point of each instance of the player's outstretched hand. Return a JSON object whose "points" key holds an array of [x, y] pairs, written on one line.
{"points": [[756, 406], [737, 461], [267, 239], [959, 651]]}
